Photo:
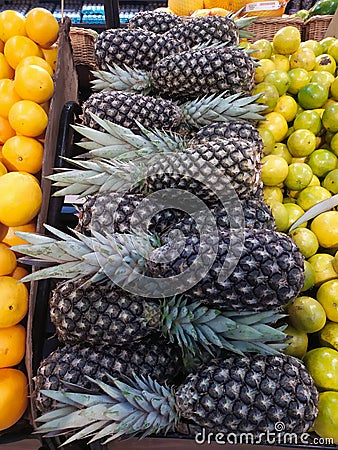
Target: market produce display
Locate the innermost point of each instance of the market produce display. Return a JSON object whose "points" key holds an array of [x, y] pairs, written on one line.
{"points": [[26, 86]]}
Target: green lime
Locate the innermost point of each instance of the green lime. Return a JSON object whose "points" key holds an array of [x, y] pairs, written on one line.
{"points": [[299, 176], [279, 79], [287, 106], [297, 343], [298, 78], [262, 49], [304, 58], [330, 117], [314, 45], [272, 194], [326, 42], [312, 96], [281, 215], [322, 162], [295, 212], [325, 62], [322, 364], [330, 182], [281, 62], [306, 240], [322, 77], [308, 120], [307, 314], [328, 336], [264, 66], [281, 149], [268, 95], [334, 89], [334, 144], [268, 140], [310, 276], [326, 423], [301, 142], [274, 170], [312, 195]]}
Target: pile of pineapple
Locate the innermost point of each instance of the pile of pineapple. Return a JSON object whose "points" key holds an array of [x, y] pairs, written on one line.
{"points": [[171, 118]]}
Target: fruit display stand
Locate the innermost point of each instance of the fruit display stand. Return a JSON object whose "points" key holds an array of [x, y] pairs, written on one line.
{"points": [[266, 27], [316, 27]]}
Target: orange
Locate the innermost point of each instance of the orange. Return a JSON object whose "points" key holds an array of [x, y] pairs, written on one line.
{"points": [[6, 71], [34, 83], [3, 231], [8, 96], [50, 54], [28, 118], [6, 131], [185, 8], [19, 273], [20, 198], [12, 345], [18, 47], [42, 27], [7, 260], [13, 396], [23, 153], [36, 61], [12, 23], [13, 301], [12, 239], [3, 168]]}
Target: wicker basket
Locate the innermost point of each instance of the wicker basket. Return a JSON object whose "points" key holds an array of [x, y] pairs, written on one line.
{"points": [[83, 47], [266, 27], [315, 28]]}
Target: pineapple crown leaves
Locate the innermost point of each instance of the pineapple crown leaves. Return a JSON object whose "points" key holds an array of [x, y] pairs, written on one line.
{"points": [[121, 78], [222, 108], [314, 211], [193, 325], [122, 143], [135, 406], [99, 256]]}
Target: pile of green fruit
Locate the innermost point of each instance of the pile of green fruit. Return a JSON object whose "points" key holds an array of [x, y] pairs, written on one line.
{"points": [[299, 85]]}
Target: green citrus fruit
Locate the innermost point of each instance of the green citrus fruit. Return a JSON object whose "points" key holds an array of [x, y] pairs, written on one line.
{"points": [[315, 46], [264, 66], [272, 194], [281, 62], [281, 149], [334, 89], [306, 314], [312, 195], [322, 364], [330, 117], [325, 62], [334, 144], [326, 42], [328, 336], [306, 240], [298, 78], [295, 212], [326, 423], [301, 142], [297, 343], [286, 40], [299, 176], [325, 227], [322, 77], [322, 162], [312, 96], [279, 79], [268, 95], [281, 215], [322, 264], [277, 124], [274, 170], [262, 49], [308, 120], [268, 140], [310, 276], [304, 58], [330, 182], [287, 106]]}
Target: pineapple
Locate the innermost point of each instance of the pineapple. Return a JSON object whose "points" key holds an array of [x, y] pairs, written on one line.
{"points": [[236, 270], [138, 48], [189, 73], [155, 21], [211, 30], [130, 109], [121, 213], [104, 314], [234, 394], [213, 171], [74, 363]]}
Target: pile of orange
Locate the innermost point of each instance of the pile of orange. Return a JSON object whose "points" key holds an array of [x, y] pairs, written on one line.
{"points": [[28, 55]]}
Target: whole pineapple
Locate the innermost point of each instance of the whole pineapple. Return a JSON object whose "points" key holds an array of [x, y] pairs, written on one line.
{"points": [[155, 21], [73, 363], [138, 112], [104, 314], [255, 270], [138, 48], [117, 213], [190, 73], [234, 394]]}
